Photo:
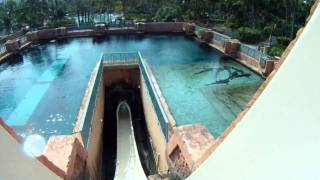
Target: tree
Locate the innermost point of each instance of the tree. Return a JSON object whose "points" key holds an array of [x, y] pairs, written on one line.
{"points": [[8, 15], [168, 13]]}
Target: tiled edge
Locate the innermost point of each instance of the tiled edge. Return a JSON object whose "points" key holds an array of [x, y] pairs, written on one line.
{"points": [[42, 159], [262, 87]]}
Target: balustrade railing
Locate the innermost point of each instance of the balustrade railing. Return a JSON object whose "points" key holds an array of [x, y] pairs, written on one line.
{"points": [[254, 53], [245, 49]]}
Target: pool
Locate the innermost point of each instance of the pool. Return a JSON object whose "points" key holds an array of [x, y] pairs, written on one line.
{"points": [[42, 87]]}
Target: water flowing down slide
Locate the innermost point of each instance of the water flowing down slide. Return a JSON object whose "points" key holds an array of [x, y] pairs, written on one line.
{"points": [[128, 163]]}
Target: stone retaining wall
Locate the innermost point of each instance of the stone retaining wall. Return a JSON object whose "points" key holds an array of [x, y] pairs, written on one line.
{"points": [[160, 27]]}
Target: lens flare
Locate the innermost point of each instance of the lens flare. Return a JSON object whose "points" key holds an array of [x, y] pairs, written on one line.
{"points": [[34, 145]]}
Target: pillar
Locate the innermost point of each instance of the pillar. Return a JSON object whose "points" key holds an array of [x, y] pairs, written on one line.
{"points": [[12, 46], [232, 47], [99, 29], [188, 147]]}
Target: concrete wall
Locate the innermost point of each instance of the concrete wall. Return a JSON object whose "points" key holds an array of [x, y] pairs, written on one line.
{"points": [[94, 162], [160, 27], [15, 164], [158, 139], [249, 61], [130, 75]]}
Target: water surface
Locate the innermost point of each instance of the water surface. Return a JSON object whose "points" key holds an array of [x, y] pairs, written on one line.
{"points": [[198, 84]]}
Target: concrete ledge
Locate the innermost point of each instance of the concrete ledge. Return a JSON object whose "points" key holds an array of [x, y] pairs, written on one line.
{"points": [[42, 159], [188, 147], [67, 153]]}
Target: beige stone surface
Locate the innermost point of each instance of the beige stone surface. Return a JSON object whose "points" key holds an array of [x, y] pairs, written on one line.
{"points": [[68, 154], [15, 164], [194, 143]]}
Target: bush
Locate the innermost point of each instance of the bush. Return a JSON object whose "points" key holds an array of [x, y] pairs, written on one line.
{"points": [[249, 35], [283, 40], [61, 22], [168, 13], [277, 50]]}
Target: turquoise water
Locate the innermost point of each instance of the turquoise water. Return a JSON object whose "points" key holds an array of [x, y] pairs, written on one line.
{"points": [[41, 88]]}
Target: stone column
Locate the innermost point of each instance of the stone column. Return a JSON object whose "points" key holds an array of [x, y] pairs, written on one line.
{"points": [[267, 66], [232, 47], [61, 31], [12, 46], [206, 35], [189, 28], [99, 29], [32, 36], [67, 153], [140, 27], [188, 147]]}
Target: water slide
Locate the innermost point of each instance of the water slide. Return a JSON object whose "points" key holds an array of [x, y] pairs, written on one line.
{"points": [[128, 162]]}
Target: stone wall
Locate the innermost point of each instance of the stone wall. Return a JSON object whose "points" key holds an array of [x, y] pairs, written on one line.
{"points": [[46, 34], [160, 27], [82, 33]]}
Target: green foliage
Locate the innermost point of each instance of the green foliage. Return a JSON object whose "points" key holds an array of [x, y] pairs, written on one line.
{"points": [[283, 40], [188, 15], [249, 35], [263, 15], [140, 17], [277, 50], [168, 13], [60, 22]]}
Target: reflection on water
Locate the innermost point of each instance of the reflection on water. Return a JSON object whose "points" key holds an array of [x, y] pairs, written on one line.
{"points": [[197, 82]]}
